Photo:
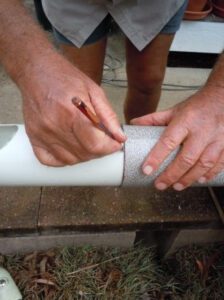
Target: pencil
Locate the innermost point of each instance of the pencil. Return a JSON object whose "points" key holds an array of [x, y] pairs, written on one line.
{"points": [[90, 115]]}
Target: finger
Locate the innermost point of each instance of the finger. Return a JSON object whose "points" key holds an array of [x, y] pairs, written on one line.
{"points": [[171, 138], [218, 168], [45, 157], [155, 119], [71, 153], [93, 141], [107, 115], [60, 143], [63, 155], [205, 163], [184, 161]]}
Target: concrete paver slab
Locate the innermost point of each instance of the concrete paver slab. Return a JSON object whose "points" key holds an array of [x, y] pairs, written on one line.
{"points": [[123, 208], [18, 210]]}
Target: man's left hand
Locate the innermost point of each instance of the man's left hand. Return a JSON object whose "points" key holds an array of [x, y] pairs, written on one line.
{"points": [[197, 124]]}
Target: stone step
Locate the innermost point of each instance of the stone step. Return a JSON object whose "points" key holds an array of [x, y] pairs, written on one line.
{"points": [[67, 209]]}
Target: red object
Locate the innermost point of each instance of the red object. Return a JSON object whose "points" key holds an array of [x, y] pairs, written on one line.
{"points": [[219, 3], [90, 115], [86, 110], [198, 15], [218, 8], [196, 5]]}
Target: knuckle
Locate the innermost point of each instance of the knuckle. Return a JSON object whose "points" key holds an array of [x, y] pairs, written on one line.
{"points": [[169, 142], [215, 171], [170, 178], [219, 167], [206, 163], [45, 162], [85, 156], [102, 148], [212, 174], [111, 115], [154, 160], [43, 159], [95, 149], [186, 160], [71, 162], [66, 158]]}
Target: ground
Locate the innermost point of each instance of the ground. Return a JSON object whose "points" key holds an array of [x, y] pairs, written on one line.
{"points": [[89, 273]]}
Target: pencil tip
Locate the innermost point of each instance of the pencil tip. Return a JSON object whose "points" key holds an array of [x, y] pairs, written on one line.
{"points": [[76, 101]]}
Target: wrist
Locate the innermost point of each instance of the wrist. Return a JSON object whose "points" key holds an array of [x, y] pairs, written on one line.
{"points": [[35, 66], [214, 85], [213, 92]]}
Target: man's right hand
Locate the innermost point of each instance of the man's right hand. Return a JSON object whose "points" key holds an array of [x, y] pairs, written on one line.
{"points": [[59, 133]]}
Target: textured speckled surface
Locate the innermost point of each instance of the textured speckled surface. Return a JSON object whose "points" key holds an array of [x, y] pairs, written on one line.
{"points": [[141, 140], [19, 209], [106, 208]]}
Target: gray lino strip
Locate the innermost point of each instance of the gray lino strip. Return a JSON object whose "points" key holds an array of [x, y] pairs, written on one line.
{"points": [[140, 141]]}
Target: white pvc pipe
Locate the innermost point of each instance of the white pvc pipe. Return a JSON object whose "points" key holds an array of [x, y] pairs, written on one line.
{"points": [[19, 166]]}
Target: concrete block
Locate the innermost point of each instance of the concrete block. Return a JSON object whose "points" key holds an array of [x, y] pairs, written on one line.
{"points": [[99, 209], [199, 236], [18, 209], [24, 244]]}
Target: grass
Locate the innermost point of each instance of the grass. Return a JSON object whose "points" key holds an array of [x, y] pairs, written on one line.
{"points": [[192, 273]]}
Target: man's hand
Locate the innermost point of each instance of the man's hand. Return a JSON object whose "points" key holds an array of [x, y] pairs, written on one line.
{"points": [[198, 125], [59, 133]]}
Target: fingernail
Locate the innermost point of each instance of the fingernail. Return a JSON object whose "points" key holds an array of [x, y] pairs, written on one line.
{"points": [[121, 132], [178, 187], [147, 170], [202, 179], [161, 186]]}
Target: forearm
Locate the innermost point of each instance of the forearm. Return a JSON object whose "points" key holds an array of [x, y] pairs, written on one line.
{"points": [[22, 42], [216, 78]]}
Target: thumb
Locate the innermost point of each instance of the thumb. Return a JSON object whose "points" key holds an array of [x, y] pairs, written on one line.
{"points": [[161, 118]]}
